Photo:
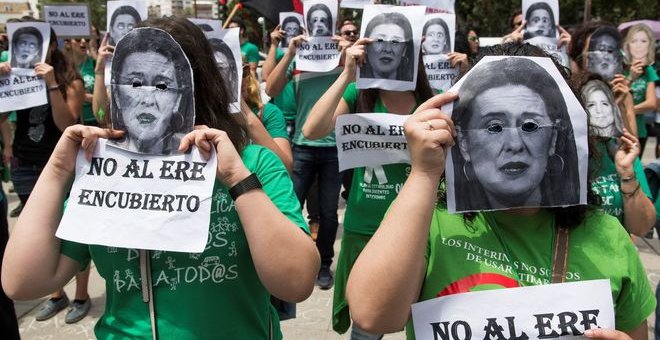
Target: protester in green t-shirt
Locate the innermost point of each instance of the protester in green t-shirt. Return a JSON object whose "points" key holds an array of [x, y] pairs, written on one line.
{"points": [[363, 210], [420, 251], [258, 244]]}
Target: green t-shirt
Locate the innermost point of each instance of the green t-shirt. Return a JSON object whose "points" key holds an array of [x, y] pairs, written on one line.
{"points": [[250, 52], [464, 258], [273, 121], [373, 188], [607, 182], [4, 56], [86, 69], [638, 90], [308, 87], [215, 294]]}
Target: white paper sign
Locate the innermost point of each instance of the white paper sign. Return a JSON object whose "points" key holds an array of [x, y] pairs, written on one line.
{"points": [[226, 47], [68, 21], [128, 200], [319, 53], [28, 43], [549, 45], [439, 31], [439, 71], [355, 3], [432, 6], [292, 24], [535, 312], [542, 17], [393, 55], [207, 25], [22, 89], [521, 138], [370, 139], [123, 15]]}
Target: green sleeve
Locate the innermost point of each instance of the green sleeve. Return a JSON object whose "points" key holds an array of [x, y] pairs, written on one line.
{"points": [[636, 300], [641, 177], [350, 96], [651, 74], [76, 251], [273, 120], [278, 55], [276, 182], [4, 56]]}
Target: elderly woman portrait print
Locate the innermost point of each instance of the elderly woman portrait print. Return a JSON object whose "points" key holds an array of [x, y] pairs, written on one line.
{"points": [[152, 92], [516, 146], [540, 21], [604, 115], [319, 21], [26, 45], [292, 28], [391, 53]]}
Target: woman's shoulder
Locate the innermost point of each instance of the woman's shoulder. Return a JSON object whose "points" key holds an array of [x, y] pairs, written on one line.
{"points": [[602, 228], [260, 159]]}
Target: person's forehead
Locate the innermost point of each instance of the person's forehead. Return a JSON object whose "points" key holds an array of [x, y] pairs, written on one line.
{"points": [[233, 25], [27, 36], [348, 27], [540, 11]]}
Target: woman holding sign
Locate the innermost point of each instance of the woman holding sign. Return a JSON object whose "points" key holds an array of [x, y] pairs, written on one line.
{"points": [[248, 257], [413, 254], [363, 211]]}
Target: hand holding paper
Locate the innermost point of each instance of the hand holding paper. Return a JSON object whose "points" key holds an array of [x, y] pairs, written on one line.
{"points": [[355, 55], [231, 169], [73, 138], [5, 68], [46, 72]]}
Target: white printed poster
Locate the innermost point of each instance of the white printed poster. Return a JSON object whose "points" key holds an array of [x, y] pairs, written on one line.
{"points": [[534, 312], [292, 25], [123, 15], [521, 138], [226, 46], [68, 20], [393, 55], [319, 53], [207, 25], [438, 33], [541, 28], [28, 45], [432, 6], [439, 72], [355, 3], [370, 139], [140, 201]]}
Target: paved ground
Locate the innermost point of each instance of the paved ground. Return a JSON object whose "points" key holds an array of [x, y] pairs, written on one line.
{"points": [[313, 321]]}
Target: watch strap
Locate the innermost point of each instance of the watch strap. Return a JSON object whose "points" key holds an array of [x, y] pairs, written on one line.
{"points": [[248, 183]]}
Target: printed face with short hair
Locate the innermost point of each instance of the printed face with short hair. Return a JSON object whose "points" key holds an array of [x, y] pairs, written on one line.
{"points": [[319, 23], [434, 40], [26, 50], [540, 23], [148, 97], [603, 56], [639, 46], [508, 145], [385, 51], [123, 24]]}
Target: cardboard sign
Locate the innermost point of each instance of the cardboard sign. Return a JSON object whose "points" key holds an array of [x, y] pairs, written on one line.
{"points": [[128, 200], [68, 21], [370, 139], [319, 53], [535, 312]]}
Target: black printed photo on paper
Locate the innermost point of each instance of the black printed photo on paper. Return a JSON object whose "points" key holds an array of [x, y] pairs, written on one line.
{"points": [[152, 92], [123, 16], [521, 138], [541, 17], [224, 59], [28, 44], [391, 54], [320, 21], [604, 114], [437, 36], [291, 24], [604, 53]]}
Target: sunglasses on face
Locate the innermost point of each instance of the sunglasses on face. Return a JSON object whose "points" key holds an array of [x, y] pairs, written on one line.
{"points": [[353, 32], [473, 38]]}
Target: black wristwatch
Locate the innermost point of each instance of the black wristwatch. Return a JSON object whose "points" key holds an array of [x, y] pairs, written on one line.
{"points": [[249, 183]]}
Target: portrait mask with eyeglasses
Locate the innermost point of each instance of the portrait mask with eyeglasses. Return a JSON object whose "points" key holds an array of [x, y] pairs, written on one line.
{"points": [[604, 53], [152, 92], [515, 139], [27, 43]]}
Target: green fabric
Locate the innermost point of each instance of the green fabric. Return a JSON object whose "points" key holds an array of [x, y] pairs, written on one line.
{"points": [[213, 295], [638, 90], [250, 52], [529, 242], [86, 69], [4, 56], [351, 247], [308, 87], [607, 182], [273, 121], [286, 101]]}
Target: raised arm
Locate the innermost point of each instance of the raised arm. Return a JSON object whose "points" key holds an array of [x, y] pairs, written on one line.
{"points": [[33, 266], [66, 112], [284, 257], [380, 298], [271, 59], [321, 119], [277, 79], [100, 95], [649, 103], [259, 135]]}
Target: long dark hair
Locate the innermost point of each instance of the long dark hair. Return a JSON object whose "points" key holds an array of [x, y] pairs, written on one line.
{"points": [[211, 96]]}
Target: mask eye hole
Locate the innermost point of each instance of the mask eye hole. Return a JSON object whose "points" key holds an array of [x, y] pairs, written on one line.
{"points": [[136, 83], [530, 126], [494, 128], [161, 86]]}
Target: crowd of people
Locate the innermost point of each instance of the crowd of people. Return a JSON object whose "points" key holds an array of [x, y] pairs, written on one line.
{"points": [[279, 154]]}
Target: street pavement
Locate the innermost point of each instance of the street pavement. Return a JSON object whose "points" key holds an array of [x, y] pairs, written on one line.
{"points": [[313, 321]]}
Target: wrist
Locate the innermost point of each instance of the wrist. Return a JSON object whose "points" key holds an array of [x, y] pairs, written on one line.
{"points": [[235, 178], [249, 183]]}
